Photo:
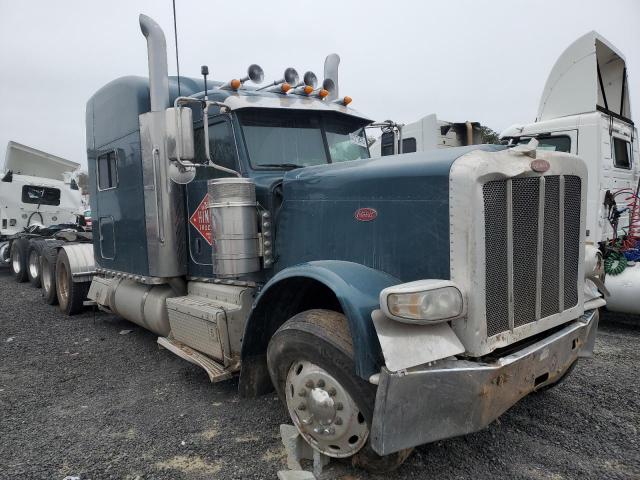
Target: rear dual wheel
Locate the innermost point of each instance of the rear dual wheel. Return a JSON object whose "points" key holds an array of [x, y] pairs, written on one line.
{"points": [[71, 295], [18, 259], [310, 360], [34, 267]]}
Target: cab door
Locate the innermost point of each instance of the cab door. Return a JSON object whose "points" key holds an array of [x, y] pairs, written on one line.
{"points": [[224, 152]]}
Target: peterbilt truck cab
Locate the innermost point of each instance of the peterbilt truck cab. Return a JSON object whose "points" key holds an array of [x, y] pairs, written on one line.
{"points": [[585, 110], [390, 302]]}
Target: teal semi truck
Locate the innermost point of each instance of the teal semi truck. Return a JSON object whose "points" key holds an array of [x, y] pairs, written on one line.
{"points": [[390, 302]]}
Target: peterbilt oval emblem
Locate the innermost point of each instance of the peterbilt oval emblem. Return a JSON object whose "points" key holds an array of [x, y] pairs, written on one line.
{"points": [[366, 214], [540, 165]]}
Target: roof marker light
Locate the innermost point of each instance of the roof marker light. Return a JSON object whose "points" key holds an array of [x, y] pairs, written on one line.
{"points": [[285, 87], [235, 84], [323, 93], [308, 89], [347, 100]]}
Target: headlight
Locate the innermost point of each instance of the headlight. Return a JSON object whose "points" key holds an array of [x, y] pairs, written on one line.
{"points": [[422, 302]]}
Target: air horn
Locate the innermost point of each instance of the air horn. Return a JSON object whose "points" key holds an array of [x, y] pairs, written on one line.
{"points": [[291, 77], [254, 73]]}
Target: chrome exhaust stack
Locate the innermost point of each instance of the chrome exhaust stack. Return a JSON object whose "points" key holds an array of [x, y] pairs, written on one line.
{"points": [[158, 70], [163, 198]]}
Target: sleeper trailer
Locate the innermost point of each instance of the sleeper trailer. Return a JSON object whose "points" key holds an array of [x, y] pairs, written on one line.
{"points": [[390, 302]]}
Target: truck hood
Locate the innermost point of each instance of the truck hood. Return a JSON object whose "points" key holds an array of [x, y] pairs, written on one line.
{"points": [[389, 213]]}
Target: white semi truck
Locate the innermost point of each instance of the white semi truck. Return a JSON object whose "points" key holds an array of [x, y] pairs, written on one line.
{"points": [[427, 133], [36, 189], [585, 110]]}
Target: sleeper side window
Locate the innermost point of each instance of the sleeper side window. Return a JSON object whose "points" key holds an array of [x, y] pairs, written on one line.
{"points": [[40, 195], [621, 153], [409, 145], [386, 142], [107, 171]]}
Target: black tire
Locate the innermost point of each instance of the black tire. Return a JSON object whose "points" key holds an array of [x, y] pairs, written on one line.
{"points": [[34, 262], [71, 295], [322, 337], [48, 260], [18, 259]]}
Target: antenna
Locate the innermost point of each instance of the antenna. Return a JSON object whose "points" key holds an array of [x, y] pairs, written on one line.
{"points": [[175, 35], [204, 71]]}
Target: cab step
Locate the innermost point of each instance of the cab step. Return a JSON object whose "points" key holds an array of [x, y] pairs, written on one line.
{"points": [[216, 371]]}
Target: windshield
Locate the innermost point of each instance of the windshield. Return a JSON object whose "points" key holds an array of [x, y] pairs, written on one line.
{"points": [[292, 139]]}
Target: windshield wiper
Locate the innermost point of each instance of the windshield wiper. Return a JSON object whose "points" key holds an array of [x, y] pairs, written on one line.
{"points": [[288, 166]]}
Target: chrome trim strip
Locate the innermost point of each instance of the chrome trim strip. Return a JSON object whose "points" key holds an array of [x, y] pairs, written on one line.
{"points": [[540, 249], [510, 253], [561, 244]]}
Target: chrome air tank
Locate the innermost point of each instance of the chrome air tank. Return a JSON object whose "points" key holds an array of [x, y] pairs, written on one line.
{"points": [[234, 225]]}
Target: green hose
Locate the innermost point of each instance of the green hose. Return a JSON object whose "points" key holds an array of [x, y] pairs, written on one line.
{"points": [[615, 263]]}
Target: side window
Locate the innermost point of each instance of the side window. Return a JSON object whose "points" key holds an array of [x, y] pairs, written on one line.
{"points": [[40, 195], [107, 171], [409, 145], [221, 145], [386, 143], [621, 153]]}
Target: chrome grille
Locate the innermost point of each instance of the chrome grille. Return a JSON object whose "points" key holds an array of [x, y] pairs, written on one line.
{"points": [[532, 242]]}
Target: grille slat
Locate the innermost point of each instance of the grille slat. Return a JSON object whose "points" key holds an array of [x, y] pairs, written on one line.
{"points": [[572, 187], [497, 293], [551, 248], [526, 192], [525, 204]]}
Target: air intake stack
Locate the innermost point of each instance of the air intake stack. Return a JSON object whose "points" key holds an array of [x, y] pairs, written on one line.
{"points": [[234, 222]]}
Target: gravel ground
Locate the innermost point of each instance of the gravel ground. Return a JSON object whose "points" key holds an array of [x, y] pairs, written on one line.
{"points": [[79, 398]]}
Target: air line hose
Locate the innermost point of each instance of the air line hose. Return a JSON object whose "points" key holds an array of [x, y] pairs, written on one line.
{"points": [[615, 263]]}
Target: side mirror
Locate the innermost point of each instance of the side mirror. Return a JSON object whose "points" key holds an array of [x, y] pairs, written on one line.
{"points": [[179, 133]]}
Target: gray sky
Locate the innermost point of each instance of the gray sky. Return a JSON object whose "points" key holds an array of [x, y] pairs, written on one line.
{"points": [[462, 59]]}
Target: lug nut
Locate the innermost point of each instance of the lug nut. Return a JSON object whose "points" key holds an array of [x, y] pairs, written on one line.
{"points": [[309, 384], [338, 421], [339, 406], [332, 391], [302, 406], [321, 383], [302, 393]]}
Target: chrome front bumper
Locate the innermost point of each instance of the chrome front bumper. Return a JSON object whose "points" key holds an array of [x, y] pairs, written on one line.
{"points": [[456, 397]]}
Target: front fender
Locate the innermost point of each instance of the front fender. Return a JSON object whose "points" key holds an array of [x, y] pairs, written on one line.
{"points": [[356, 288]]}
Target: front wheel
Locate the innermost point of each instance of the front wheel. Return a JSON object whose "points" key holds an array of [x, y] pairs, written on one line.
{"points": [[310, 361]]}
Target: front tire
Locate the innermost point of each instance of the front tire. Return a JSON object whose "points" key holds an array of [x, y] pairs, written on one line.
{"points": [[310, 360], [71, 295]]}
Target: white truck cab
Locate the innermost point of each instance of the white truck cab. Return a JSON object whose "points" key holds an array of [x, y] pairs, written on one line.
{"points": [[427, 133], [36, 188], [585, 110]]}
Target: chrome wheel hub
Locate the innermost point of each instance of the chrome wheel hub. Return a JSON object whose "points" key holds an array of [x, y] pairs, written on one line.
{"points": [[34, 265], [15, 260], [324, 412]]}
